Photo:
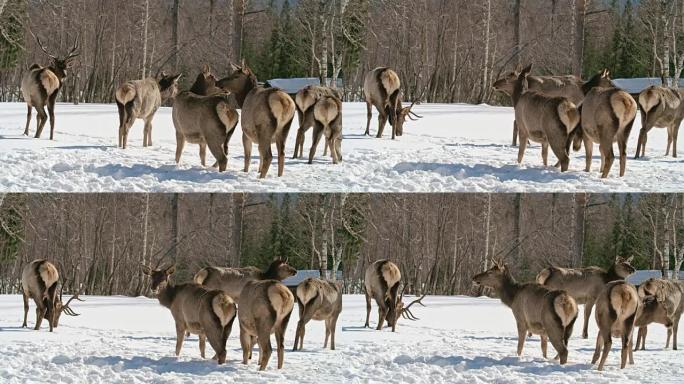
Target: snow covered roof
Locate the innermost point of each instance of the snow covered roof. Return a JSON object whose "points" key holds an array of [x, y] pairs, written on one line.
{"points": [[292, 86], [638, 84], [640, 276], [305, 274]]}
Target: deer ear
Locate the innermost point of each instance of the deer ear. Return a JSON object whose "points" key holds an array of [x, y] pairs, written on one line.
{"points": [[526, 71], [177, 77], [170, 270], [146, 270], [518, 68], [206, 70], [629, 260]]}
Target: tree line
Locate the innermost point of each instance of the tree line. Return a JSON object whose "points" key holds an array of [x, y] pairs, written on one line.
{"points": [[444, 50], [100, 241]]}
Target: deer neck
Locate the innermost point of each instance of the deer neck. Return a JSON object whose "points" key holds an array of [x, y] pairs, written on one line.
{"points": [[611, 274], [508, 289], [167, 294], [517, 92], [249, 85]]}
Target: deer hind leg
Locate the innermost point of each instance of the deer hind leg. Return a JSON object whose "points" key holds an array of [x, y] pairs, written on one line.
{"points": [[28, 120], [640, 143], [672, 132], [266, 157], [217, 151], [640, 334], [557, 338], [247, 145], [51, 112], [522, 331], [41, 120], [280, 146], [203, 153], [674, 331], [608, 156], [545, 154], [369, 116], [246, 344], [147, 133], [587, 314], [544, 345], [265, 349], [522, 147], [304, 317], [333, 326], [607, 345], [217, 341], [368, 309], [382, 313], [382, 121], [597, 349], [202, 345], [299, 142], [280, 340], [40, 314], [515, 133], [317, 134], [26, 309]]}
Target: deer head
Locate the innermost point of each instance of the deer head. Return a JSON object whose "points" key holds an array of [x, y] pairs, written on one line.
{"points": [[168, 85], [623, 267], [160, 277], [60, 307], [404, 310], [494, 276], [60, 64], [403, 113], [280, 270]]}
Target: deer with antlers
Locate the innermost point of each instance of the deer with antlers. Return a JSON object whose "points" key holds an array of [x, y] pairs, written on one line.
{"points": [[551, 314], [381, 88], [381, 283], [39, 281], [40, 86]]}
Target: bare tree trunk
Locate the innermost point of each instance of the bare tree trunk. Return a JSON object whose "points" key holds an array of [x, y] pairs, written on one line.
{"points": [[175, 35], [485, 69], [146, 17], [579, 16], [516, 31]]}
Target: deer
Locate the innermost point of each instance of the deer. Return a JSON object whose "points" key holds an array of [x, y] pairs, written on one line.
{"points": [[203, 116], [318, 299], [616, 311], [382, 280], [39, 281], [328, 122], [233, 280], [585, 284], [651, 311], [543, 119], [206, 313], [381, 89], [265, 308], [267, 115], [305, 100], [660, 107], [537, 309], [608, 115], [670, 294], [40, 86], [140, 99], [569, 86]]}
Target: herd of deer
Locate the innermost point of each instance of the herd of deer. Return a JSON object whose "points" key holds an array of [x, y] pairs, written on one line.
{"points": [[555, 111], [209, 305], [547, 307]]}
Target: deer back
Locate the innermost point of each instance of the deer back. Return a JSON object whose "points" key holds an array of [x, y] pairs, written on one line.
{"points": [[199, 308], [663, 106], [322, 294], [380, 277], [616, 307], [38, 277], [264, 299], [379, 84], [607, 109], [265, 113], [39, 83]]}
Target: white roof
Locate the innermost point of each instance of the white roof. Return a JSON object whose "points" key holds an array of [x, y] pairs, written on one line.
{"points": [[640, 276], [305, 274], [292, 86], [638, 84]]}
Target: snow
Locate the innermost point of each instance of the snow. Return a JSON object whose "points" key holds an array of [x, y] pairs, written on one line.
{"points": [[456, 340], [455, 147]]}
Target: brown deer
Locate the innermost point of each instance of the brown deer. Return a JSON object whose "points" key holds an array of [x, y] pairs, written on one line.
{"points": [[233, 280], [585, 284], [551, 314], [267, 115], [196, 310], [328, 122], [616, 312], [204, 119], [381, 283], [381, 88], [305, 100], [670, 294], [608, 115], [651, 311], [318, 299], [140, 99], [39, 281], [660, 107], [40, 86], [543, 119], [569, 87], [265, 308]]}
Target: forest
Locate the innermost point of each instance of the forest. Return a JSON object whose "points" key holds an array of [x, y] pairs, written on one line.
{"points": [[444, 50], [99, 241]]}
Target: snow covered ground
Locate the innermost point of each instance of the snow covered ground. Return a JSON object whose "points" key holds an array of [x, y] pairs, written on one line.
{"points": [[456, 340], [454, 148]]}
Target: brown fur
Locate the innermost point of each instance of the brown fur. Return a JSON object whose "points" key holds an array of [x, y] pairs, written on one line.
{"points": [[318, 299], [616, 312], [233, 280], [381, 283], [39, 281], [585, 284], [140, 99], [381, 89], [652, 311], [607, 117], [265, 308], [267, 115], [543, 119], [328, 122], [196, 310], [669, 294], [209, 121], [660, 107], [305, 99], [537, 310]]}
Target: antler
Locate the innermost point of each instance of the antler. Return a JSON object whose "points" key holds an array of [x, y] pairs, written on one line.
{"points": [[406, 312], [66, 309], [412, 114], [74, 51], [42, 47]]}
